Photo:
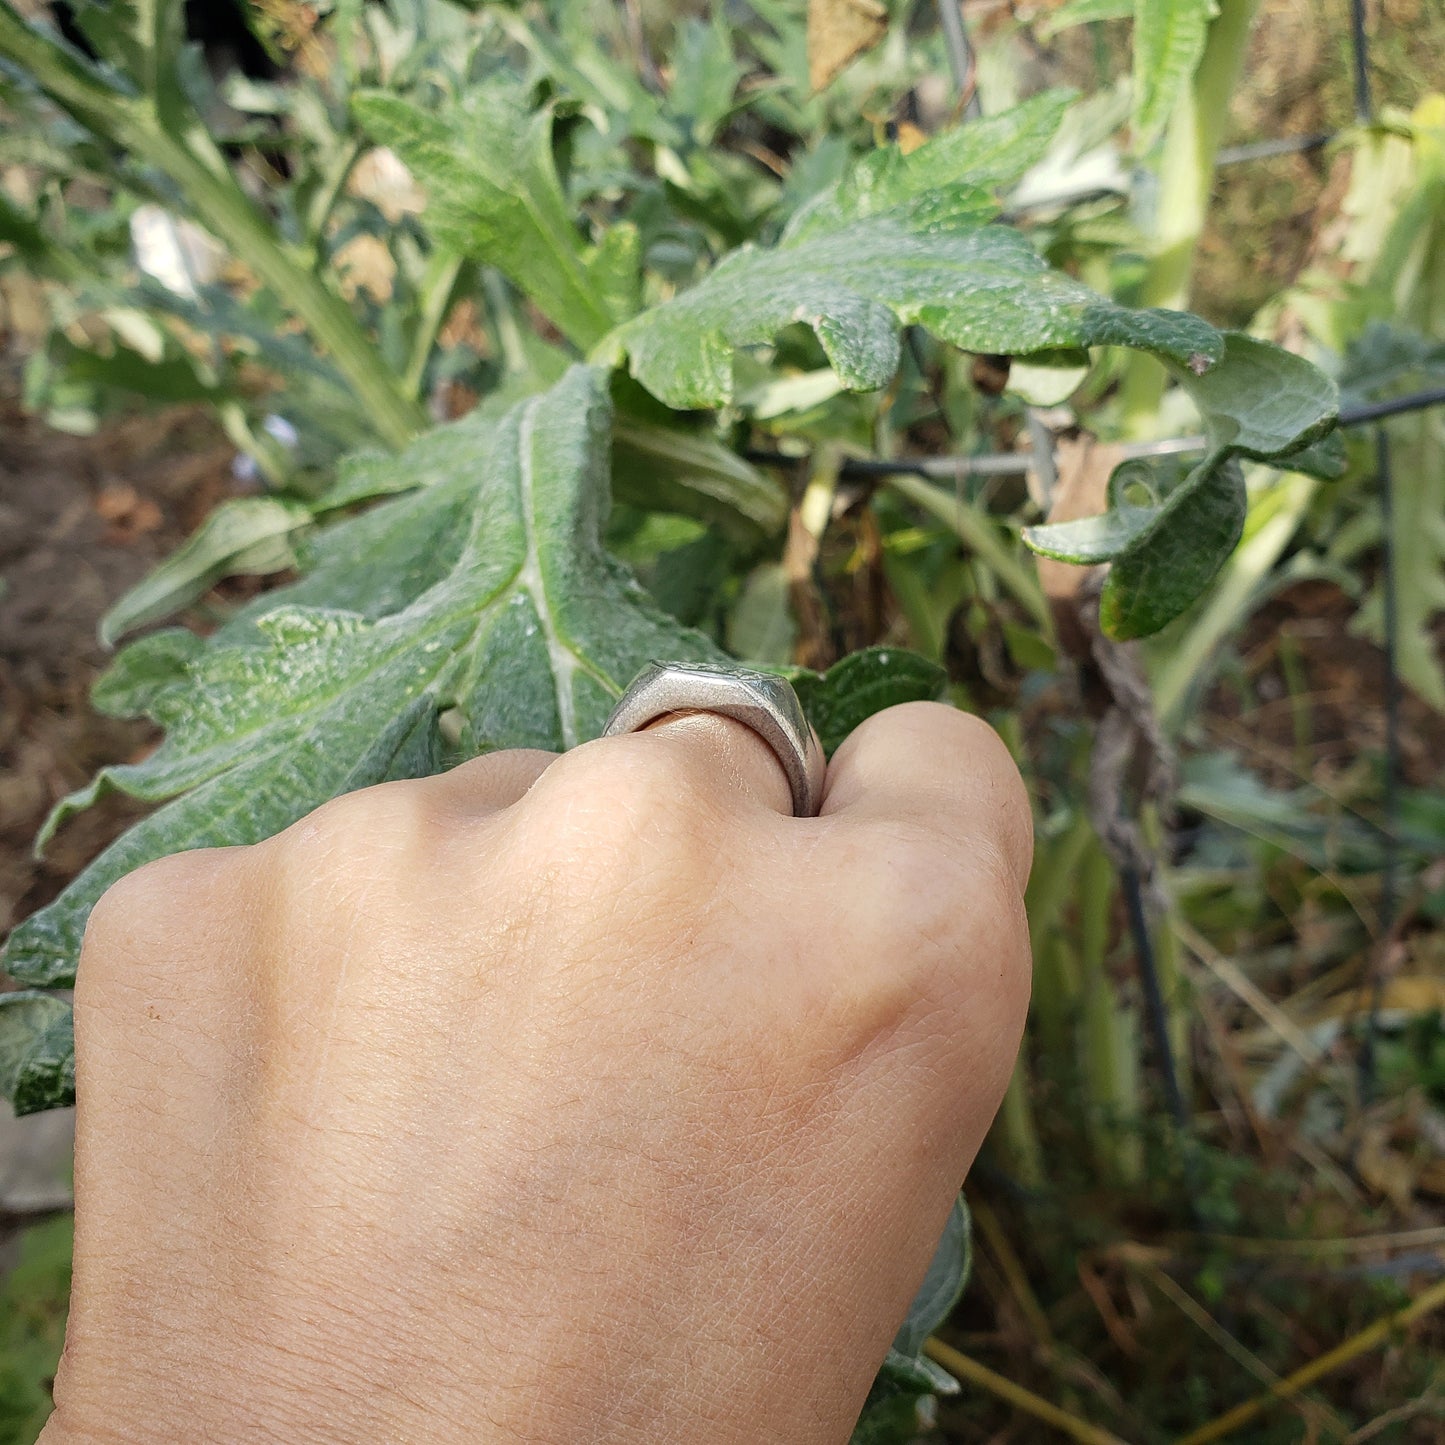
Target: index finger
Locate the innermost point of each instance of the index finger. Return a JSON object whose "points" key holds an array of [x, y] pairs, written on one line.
{"points": [[945, 770]]}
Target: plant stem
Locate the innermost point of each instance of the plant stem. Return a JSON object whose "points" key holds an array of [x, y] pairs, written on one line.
{"points": [[957, 1363], [1367, 1339], [1018, 1134], [1052, 883], [225, 210], [1186, 178], [977, 533], [1108, 1032], [438, 287]]}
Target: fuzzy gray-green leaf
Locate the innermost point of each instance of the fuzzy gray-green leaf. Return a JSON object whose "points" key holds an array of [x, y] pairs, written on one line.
{"points": [[861, 684], [37, 1052], [1091, 540], [247, 536], [932, 262], [493, 195], [982, 154], [1261, 400], [487, 593], [1171, 562]]}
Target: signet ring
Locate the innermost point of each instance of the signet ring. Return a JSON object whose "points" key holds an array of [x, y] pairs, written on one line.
{"points": [[759, 700]]}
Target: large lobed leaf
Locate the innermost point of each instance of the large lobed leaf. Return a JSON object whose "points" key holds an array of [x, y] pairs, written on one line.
{"points": [[934, 262], [902, 239], [984, 154], [485, 594]]}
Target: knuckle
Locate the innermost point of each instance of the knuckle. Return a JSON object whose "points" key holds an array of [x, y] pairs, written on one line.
{"points": [[645, 774], [351, 858], [625, 827], [141, 915], [347, 836], [939, 919], [156, 891], [614, 791]]}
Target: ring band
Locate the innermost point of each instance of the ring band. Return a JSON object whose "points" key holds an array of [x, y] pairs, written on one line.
{"points": [[759, 700]]}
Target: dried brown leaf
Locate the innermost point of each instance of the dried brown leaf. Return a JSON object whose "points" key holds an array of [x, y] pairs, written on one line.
{"points": [[839, 31]]}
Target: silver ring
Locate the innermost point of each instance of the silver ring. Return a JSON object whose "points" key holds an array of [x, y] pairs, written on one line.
{"points": [[766, 704]]}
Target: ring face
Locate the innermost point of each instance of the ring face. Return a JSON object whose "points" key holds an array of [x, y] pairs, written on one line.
{"points": [[759, 700]]}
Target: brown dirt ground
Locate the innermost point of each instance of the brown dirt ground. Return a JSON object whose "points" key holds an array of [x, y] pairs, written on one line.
{"points": [[81, 519], [1336, 696]]}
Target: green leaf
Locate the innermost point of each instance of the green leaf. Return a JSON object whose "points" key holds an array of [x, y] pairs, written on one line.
{"points": [[861, 684], [1172, 561], [23, 232], [1084, 12], [983, 154], [668, 469], [1259, 401], [891, 1411], [662, 468], [614, 270], [130, 685], [250, 536], [37, 1051], [762, 627], [486, 593], [943, 1284], [1263, 402], [705, 74], [172, 378], [493, 195], [933, 261], [140, 37], [574, 57], [1091, 541], [1169, 38], [1325, 458]]}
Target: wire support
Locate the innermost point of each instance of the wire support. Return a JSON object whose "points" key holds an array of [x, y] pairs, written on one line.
{"points": [[1263, 150], [961, 62], [1367, 1063], [1360, 49], [1154, 1009], [1013, 464]]}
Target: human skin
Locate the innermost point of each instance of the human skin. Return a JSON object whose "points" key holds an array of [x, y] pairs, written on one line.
{"points": [[582, 1099]]}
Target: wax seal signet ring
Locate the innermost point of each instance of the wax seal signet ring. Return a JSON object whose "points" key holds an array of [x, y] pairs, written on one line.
{"points": [[766, 704]]}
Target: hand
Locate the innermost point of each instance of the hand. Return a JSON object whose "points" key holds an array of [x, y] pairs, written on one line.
{"points": [[578, 1099]]}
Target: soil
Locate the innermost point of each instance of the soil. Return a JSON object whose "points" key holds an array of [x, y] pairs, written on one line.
{"points": [[1326, 703], [81, 520]]}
